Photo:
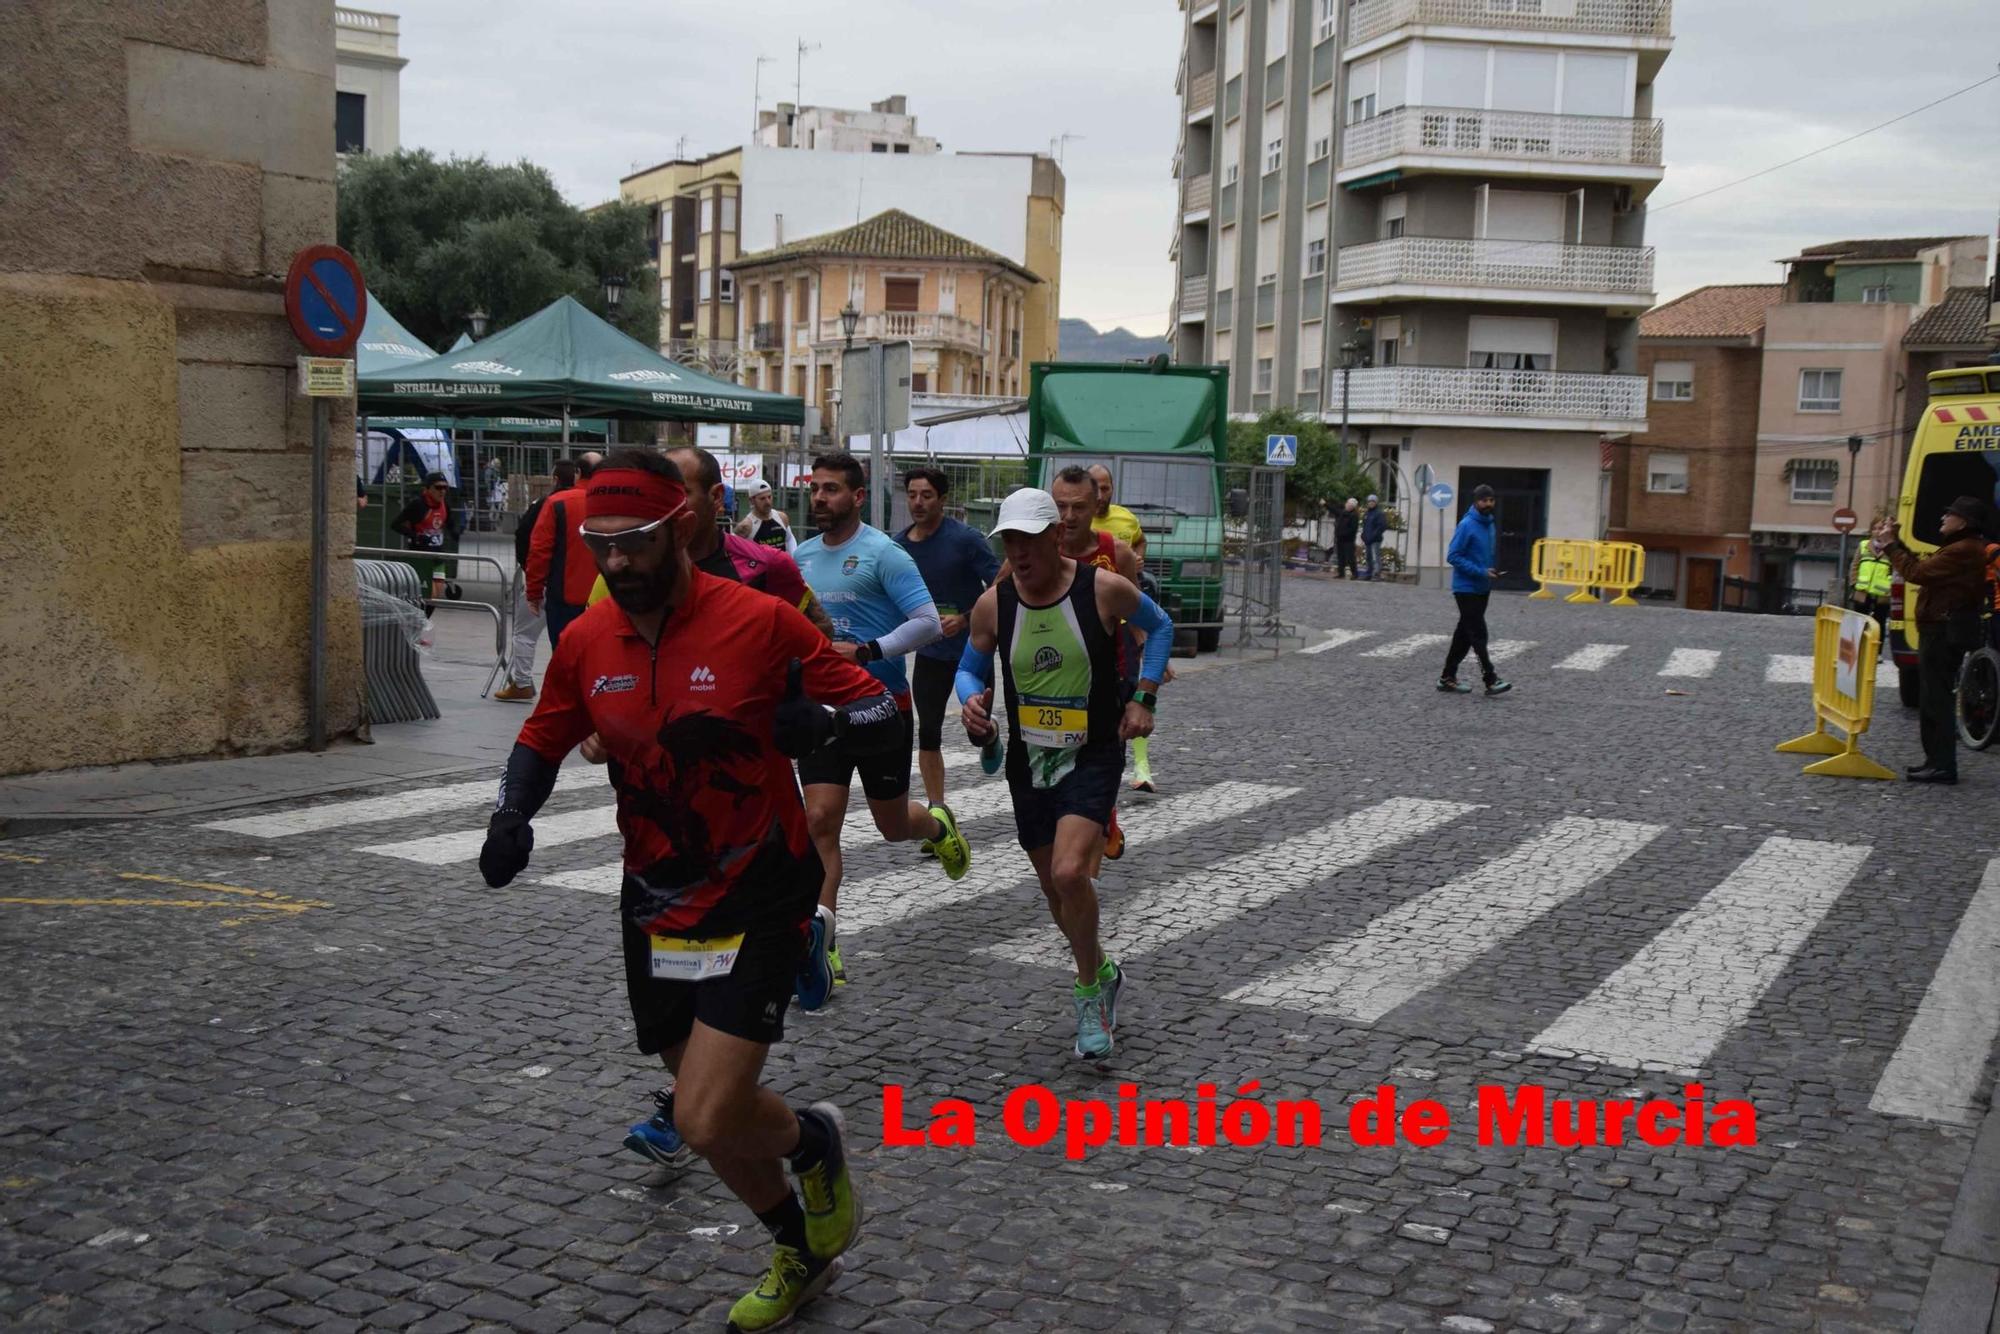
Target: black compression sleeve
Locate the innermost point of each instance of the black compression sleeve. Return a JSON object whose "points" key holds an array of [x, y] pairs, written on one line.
{"points": [[528, 782]]}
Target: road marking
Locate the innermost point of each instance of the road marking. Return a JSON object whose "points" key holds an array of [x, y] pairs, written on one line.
{"points": [[1159, 914], [1408, 647], [1502, 649], [397, 806], [237, 904], [1935, 1073], [1691, 662], [1417, 945], [983, 800], [895, 895], [1336, 638], [1789, 669], [1675, 1001], [1591, 658]]}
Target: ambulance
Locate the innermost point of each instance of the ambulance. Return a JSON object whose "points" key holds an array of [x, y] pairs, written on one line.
{"points": [[1956, 453]]}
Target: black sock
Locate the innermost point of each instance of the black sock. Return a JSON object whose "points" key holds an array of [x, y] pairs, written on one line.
{"points": [[786, 1222], [814, 1141]]}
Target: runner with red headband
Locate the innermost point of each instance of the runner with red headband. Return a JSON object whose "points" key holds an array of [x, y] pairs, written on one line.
{"points": [[700, 689]]}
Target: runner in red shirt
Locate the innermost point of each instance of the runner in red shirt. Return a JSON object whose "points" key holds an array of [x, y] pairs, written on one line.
{"points": [[698, 689]]}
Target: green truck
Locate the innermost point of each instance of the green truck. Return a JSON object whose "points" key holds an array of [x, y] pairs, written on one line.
{"points": [[1164, 432]]}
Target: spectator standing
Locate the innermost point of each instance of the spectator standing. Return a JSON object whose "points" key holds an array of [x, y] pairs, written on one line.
{"points": [[1951, 592], [560, 571], [1374, 527], [1346, 531], [764, 525], [520, 687]]}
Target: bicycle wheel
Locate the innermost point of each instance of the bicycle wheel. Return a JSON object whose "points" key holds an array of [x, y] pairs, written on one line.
{"points": [[1979, 698]]}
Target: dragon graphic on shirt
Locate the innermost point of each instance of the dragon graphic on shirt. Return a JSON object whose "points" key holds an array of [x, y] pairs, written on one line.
{"points": [[700, 754]]}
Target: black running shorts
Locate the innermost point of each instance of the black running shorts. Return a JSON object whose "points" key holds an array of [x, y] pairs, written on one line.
{"points": [[749, 1002], [882, 776], [1089, 790]]}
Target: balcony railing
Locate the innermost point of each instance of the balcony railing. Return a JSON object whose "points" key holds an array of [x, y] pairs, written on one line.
{"points": [[1530, 136], [1531, 265], [1369, 19], [1448, 391], [918, 326], [1194, 291], [767, 337], [1201, 94], [1195, 193]]}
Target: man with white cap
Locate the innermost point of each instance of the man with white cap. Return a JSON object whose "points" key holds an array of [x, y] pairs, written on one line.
{"points": [[764, 525], [1056, 623]]}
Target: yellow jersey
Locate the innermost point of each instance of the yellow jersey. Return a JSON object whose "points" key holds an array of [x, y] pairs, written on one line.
{"points": [[1122, 524]]}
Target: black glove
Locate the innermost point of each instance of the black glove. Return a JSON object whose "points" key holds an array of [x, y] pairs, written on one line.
{"points": [[509, 840], [800, 726]]}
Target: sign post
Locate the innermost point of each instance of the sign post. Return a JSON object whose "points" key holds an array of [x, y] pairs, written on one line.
{"points": [[1439, 494], [875, 401], [1844, 521], [1281, 451], [326, 303]]}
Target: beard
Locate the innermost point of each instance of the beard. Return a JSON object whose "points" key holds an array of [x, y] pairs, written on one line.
{"points": [[641, 594]]}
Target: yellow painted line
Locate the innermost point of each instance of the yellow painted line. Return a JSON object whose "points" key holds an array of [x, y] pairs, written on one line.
{"points": [[158, 903], [21, 857], [211, 886]]}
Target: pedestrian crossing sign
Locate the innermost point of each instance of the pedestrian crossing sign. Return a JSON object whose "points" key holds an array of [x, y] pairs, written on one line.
{"points": [[1281, 451]]}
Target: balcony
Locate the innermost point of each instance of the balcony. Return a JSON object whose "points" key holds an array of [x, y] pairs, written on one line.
{"points": [[1507, 143], [917, 326], [1434, 268], [1195, 193], [1369, 20], [767, 337], [1452, 396], [1201, 95], [1194, 298]]}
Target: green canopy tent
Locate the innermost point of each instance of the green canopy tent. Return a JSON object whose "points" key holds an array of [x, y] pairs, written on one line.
{"points": [[385, 345], [562, 359], [464, 341]]}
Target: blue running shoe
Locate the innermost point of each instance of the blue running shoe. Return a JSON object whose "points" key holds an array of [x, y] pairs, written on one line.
{"points": [[814, 983], [656, 1138], [993, 754]]}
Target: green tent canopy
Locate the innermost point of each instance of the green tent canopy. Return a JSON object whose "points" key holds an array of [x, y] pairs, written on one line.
{"points": [[565, 359], [503, 427], [464, 341], [385, 346]]}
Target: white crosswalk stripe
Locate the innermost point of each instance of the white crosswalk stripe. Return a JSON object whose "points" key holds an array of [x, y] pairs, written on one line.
{"points": [[1138, 923], [1701, 976], [1695, 662], [1935, 1073], [1002, 866], [1336, 638], [1500, 650], [1408, 646], [396, 806], [1789, 669], [1591, 658], [1414, 947]]}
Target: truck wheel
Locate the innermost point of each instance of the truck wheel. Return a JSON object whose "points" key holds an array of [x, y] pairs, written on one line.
{"points": [[1909, 687], [1208, 639]]}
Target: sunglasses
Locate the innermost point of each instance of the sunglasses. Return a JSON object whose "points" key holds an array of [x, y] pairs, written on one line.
{"points": [[628, 541]]}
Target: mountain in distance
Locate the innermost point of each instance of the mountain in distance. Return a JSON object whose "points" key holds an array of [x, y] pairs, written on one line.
{"points": [[1078, 341]]}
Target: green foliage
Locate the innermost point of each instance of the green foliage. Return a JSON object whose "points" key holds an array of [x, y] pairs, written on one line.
{"points": [[437, 240], [1322, 473]]}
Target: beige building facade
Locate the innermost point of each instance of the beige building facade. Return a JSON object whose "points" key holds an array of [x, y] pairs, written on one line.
{"points": [[155, 522], [368, 73]]}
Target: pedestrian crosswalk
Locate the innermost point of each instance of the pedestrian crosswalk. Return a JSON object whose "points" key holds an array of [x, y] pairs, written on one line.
{"points": [[1387, 907], [1680, 662]]}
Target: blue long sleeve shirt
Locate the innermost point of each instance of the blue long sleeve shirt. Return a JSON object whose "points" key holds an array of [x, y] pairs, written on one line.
{"points": [[1471, 553]]}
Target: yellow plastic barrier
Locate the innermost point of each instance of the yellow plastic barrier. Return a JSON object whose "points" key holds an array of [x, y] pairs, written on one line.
{"points": [[1621, 566], [1587, 567], [1855, 639]]}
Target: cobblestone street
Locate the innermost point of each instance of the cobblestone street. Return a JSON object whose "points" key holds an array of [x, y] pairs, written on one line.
{"points": [[295, 1066]]}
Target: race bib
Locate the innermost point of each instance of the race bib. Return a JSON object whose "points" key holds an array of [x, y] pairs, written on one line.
{"points": [[1053, 724], [677, 959]]}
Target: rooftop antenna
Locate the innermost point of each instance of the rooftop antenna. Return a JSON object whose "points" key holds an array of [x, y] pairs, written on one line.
{"points": [[757, 92], [799, 83], [1061, 142]]}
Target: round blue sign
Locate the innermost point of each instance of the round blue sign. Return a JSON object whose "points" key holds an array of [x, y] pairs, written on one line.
{"points": [[1440, 495], [325, 300]]}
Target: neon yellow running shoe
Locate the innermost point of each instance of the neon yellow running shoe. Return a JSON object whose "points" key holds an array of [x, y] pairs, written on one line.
{"points": [[793, 1279], [953, 852]]}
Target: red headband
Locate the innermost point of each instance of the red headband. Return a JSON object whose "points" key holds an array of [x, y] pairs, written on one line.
{"points": [[632, 492]]}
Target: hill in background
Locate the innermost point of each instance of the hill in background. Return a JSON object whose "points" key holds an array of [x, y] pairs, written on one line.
{"points": [[1078, 341]]}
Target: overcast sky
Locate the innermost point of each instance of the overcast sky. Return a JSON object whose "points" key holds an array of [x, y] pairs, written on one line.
{"points": [[593, 89]]}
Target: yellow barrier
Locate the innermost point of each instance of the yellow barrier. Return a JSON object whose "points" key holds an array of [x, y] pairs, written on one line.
{"points": [[1849, 711], [1587, 566]]}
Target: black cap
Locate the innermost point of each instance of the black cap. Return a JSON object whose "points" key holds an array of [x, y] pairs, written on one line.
{"points": [[1482, 492], [433, 478], [1969, 508]]}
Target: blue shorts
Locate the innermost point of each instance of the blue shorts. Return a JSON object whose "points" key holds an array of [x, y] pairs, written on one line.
{"points": [[1089, 790]]}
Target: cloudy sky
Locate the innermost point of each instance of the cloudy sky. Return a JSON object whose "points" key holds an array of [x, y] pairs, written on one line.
{"points": [[592, 89]]}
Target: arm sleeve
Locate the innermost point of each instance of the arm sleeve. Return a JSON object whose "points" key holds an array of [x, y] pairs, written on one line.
{"points": [[905, 587], [1159, 628], [975, 672], [528, 781], [541, 550]]}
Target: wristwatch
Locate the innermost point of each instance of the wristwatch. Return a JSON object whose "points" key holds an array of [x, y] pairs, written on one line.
{"points": [[869, 652], [1148, 698]]}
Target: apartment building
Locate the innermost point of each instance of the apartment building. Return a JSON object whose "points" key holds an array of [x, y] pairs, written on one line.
{"points": [[885, 127], [1683, 489], [368, 72], [693, 235], [962, 306], [1455, 263]]}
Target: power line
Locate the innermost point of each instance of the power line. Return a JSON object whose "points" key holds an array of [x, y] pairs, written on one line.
{"points": [[1689, 199]]}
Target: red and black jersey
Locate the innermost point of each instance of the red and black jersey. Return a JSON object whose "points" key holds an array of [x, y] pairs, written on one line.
{"points": [[708, 807]]}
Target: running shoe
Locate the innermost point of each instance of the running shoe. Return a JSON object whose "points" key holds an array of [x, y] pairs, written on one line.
{"points": [[656, 1138], [1110, 981], [993, 754], [1498, 687], [953, 852], [1114, 838], [839, 972], [1093, 1034], [832, 1205], [814, 983], [1450, 686], [792, 1280]]}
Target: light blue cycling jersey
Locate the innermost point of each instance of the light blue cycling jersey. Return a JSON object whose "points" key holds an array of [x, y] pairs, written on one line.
{"points": [[868, 586]]}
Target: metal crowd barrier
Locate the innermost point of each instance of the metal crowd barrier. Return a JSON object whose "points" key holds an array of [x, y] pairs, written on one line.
{"points": [[502, 617], [1587, 567], [1845, 647], [391, 619]]}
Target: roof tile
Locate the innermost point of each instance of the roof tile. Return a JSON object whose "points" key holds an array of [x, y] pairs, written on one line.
{"points": [[1958, 319], [1723, 311], [893, 234]]}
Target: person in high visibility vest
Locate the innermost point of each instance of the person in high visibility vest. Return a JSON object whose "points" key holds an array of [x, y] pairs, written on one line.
{"points": [[1871, 588]]}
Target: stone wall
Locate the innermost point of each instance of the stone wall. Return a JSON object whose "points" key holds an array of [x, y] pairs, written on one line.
{"points": [[154, 513]]}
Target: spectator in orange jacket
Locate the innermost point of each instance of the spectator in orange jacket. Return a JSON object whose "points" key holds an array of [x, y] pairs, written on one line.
{"points": [[560, 570]]}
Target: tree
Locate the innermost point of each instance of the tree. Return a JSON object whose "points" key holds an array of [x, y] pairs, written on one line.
{"points": [[1322, 472], [438, 240]]}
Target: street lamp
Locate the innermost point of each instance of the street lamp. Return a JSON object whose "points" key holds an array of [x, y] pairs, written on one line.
{"points": [[849, 317], [1854, 443], [614, 288], [1350, 352], [477, 319]]}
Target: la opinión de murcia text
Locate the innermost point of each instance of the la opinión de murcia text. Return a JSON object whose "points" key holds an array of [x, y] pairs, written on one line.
{"points": [[1034, 1117]]}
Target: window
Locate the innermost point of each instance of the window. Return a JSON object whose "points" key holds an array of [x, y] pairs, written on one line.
{"points": [[729, 213], [1506, 343], [920, 382], [1263, 382], [1666, 473], [902, 294], [1876, 296], [1819, 391], [878, 148], [1361, 108], [1395, 213], [1813, 480], [1315, 257], [350, 122], [705, 216], [1274, 155], [1309, 379], [1329, 18], [726, 286], [1388, 340], [1673, 381], [902, 148], [1229, 174], [707, 285]]}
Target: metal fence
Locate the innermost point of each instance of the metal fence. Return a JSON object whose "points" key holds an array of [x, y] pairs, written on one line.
{"points": [[1253, 544]]}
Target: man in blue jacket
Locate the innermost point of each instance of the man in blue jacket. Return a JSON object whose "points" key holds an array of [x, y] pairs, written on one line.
{"points": [[1374, 527], [1472, 574]]}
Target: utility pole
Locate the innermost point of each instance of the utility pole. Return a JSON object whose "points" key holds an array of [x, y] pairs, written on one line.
{"points": [[757, 93], [1853, 462]]}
